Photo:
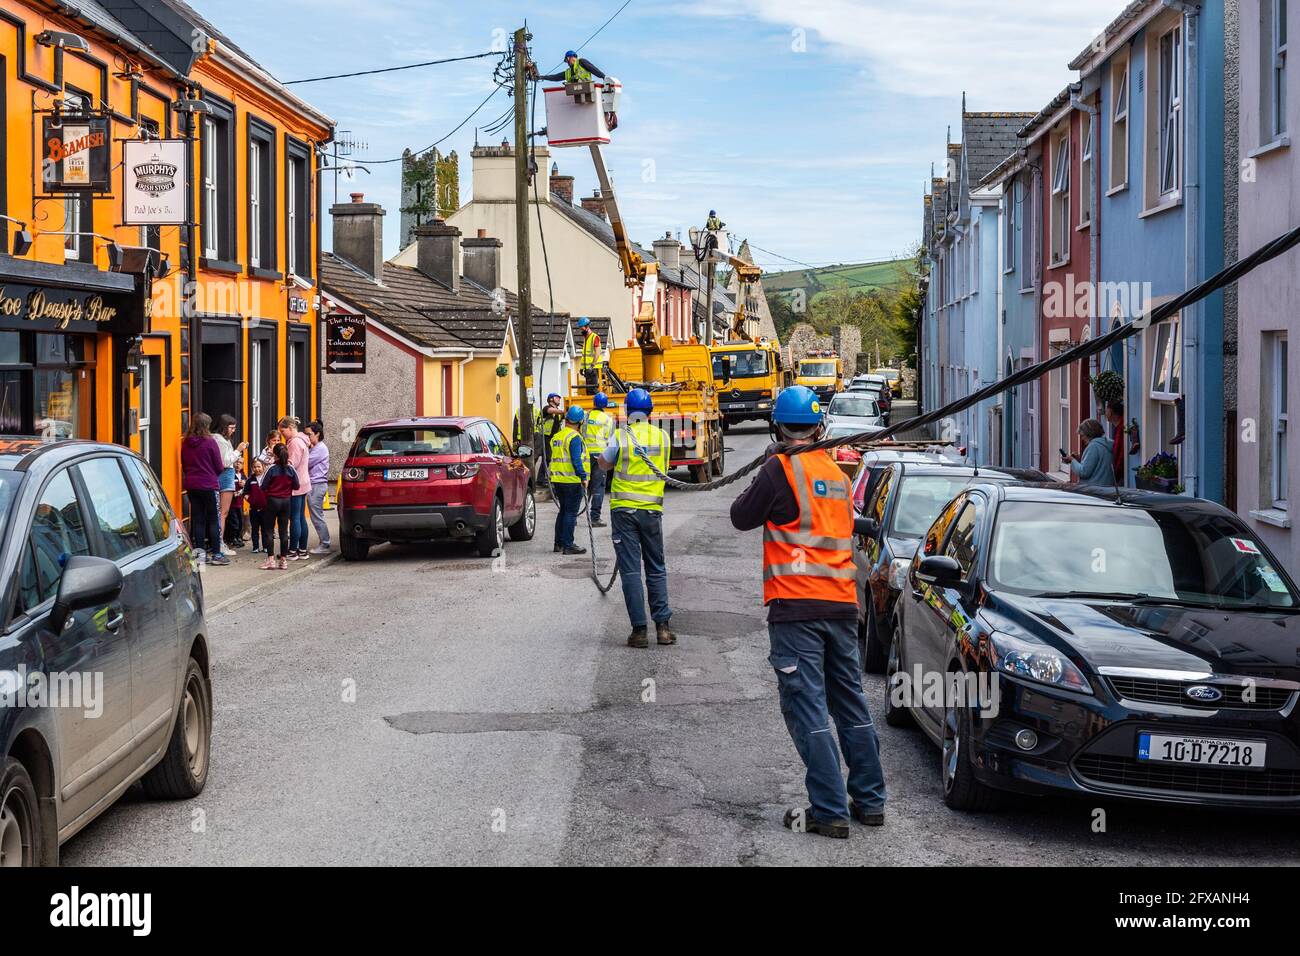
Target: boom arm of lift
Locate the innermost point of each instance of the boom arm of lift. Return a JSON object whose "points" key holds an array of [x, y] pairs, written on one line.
{"points": [[746, 273], [637, 273]]}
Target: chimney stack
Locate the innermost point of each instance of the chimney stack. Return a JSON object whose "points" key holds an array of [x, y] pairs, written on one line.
{"points": [[594, 205], [668, 251], [482, 260], [359, 234], [437, 253], [561, 186]]}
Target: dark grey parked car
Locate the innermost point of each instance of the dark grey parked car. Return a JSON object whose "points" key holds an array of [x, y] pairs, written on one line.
{"points": [[104, 676]]}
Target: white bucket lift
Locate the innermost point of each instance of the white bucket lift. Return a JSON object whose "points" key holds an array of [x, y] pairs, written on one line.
{"points": [[575, 112]]}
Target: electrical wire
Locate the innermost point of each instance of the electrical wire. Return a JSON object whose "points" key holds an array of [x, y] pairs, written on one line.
{"points": [[379, 162], [578, 48], [392, 69]]}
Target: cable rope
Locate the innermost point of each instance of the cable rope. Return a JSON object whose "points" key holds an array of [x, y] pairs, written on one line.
{"points": [[392, 69]]}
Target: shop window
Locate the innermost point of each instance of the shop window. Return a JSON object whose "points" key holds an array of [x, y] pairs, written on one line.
{"points": [[297, 189], [120, 529], [261, 196]]}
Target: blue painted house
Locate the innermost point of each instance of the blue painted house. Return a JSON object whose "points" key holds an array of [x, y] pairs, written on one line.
{"points": [[1152, 86]]}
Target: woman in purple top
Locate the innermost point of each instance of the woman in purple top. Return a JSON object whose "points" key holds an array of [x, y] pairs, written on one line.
{"points": [[318, 471], [201, 467]]}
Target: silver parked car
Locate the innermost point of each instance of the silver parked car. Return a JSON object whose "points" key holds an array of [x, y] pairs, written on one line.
{"points": [[854, 410], [104, 661]]}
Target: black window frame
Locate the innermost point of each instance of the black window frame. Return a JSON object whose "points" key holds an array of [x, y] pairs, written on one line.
{"points": [[222, 116], [297, 152], [264, 134]]}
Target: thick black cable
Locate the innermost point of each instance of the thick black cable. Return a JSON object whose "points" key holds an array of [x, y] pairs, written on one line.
{"points": [[392, 69], [1084, 350]]}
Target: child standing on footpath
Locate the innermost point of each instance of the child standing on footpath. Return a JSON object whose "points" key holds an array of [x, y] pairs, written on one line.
{"points": [[256, 505]]}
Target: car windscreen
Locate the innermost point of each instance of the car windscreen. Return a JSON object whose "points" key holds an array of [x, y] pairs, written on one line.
{"points": [[413, 441], [1184, 555], [921, 498], [751, 364], [9, 482], [853, 406], [817, 369]]}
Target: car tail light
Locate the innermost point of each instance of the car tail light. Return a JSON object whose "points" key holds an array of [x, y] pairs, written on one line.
{"points": [[462, 470], [354, 474]]}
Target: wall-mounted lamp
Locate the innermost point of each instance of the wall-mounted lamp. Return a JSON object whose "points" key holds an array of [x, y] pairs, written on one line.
{"points": [[61, 40], [136, 260], [22, 238], [196, 106]]}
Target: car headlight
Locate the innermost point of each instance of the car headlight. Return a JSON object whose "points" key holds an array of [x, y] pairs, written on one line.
{"points": [[898, 573], [1034, 661]]}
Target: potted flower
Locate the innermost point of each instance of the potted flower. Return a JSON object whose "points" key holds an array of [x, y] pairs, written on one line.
{"points": [[1108, 386], [1160, 473]]}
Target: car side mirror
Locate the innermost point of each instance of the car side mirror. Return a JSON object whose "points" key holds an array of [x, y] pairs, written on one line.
{"points": [[867, 527], [939, 570], [524, 451], [85, 582]]}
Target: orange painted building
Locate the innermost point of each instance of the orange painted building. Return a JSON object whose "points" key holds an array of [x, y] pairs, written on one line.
{"points": [[120, 332]]}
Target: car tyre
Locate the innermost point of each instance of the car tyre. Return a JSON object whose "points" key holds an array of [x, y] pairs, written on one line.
{"points": [[894, 716], [873, 655], [353, 549], [183, 771], [526, 526], [492, 538], [20, 817], [961, 791]]}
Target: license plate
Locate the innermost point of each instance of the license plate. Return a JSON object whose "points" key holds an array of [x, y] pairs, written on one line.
{"points": [[1209, 751], [406, 474]]}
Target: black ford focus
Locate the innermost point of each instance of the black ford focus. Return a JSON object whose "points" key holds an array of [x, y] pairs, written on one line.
{"points": [[1083, 639]]}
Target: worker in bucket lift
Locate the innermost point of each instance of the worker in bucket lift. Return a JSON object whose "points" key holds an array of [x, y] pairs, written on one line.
{"points": [[804, 504], [577, 70], [636, 510], [598, 432], [590, 364], [713, 223], [568, 478]]}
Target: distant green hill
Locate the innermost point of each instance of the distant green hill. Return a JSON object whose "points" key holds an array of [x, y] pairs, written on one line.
{"points": [[888, 275]]}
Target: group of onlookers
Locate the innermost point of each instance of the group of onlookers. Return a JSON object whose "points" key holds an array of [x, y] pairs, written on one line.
{"points": [[286, 482]]}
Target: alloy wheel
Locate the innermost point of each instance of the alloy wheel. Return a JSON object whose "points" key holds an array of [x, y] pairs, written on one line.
{"points": [[194, 727], [15, 829], [951, 746], [530, 514]]}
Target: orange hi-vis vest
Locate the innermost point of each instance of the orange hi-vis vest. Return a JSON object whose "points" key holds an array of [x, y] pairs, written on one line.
{"points": [[811, 558]]}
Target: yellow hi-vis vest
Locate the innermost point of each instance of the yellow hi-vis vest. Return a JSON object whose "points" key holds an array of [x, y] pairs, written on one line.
{"points": [[576, 73], [591, 351], [634, 484], [597, 431], [562, 472]]}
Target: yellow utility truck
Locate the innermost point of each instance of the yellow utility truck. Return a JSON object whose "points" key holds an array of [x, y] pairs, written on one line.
{"points": [[823, 372]]}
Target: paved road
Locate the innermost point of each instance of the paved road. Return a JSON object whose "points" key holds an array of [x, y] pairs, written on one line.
{"points": [[498, 717]]}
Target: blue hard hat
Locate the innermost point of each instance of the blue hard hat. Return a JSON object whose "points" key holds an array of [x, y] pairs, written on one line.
{"points": [[713, 212], [584, 322], [639, 400], [552, 395], [601, 400], [797, 405], [569, 53], [575, 415]]}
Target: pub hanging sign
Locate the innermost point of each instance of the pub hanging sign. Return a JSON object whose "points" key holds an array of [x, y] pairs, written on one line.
{"points": [[75, 153]]}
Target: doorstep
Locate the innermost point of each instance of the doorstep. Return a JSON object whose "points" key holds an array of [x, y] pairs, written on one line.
{"points": [[234, 585]]}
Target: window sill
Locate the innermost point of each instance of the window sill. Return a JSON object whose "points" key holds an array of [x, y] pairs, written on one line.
{"points": [[270, 274], [1272, 516], [220, 265], [1083, 226], [1116, 190], [1028, 291], [1161, 207], [1282, 142], [1058, 263]]}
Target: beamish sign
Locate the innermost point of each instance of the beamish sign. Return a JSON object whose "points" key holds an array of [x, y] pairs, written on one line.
{"points": [[75, 153], [154, 182]]}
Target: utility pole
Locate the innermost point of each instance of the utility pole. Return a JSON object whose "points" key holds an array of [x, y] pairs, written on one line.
{"points": [[525, 317]]}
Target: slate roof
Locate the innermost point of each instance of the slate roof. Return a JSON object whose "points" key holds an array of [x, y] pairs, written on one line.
{"points": [[1047, 112], [988, 139]]}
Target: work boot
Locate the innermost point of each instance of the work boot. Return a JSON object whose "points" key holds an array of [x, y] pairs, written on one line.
{"points": [[574, 549], [838, 830], [559, 548], [866, 817], [639, 637], [597, 523], [664, 634]]}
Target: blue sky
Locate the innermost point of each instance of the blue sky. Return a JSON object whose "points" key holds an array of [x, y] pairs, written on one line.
{"points": [[810, 125]]}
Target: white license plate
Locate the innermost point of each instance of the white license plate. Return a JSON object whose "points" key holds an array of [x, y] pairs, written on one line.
{"points": [[1207, 751], [406, 474]]}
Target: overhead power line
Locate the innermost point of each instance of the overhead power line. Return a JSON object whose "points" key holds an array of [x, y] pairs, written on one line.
{"points": [[394, 69], [379, 162]]}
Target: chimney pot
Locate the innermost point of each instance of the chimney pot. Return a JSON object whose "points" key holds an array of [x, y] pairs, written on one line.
{"points": [[357, 197], [482, 233]]}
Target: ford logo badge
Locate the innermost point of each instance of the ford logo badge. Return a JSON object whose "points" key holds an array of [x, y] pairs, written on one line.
{"points": [[1203, 692]]}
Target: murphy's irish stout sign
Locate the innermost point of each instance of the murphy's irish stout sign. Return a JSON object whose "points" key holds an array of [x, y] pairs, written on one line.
{"points": [[154, 174], [75, 153]]}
